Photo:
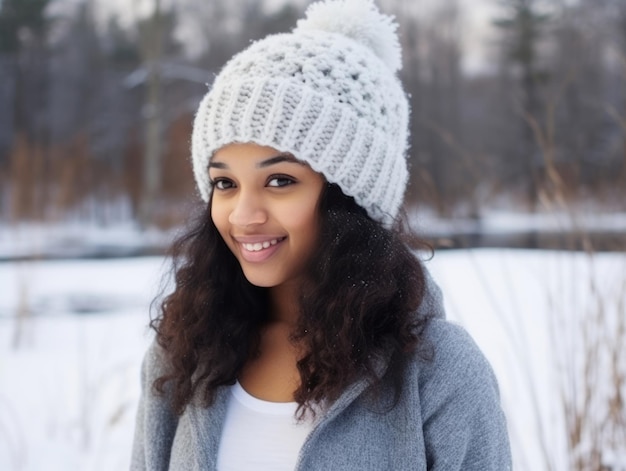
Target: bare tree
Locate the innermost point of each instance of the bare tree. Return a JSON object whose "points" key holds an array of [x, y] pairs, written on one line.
{"points": [[23, 51], [152, 50]]}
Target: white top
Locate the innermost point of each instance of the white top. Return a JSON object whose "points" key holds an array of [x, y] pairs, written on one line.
{"points": [[260, 435]]}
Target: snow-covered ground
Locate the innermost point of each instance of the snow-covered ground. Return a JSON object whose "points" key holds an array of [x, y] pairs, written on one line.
{"points": [[78, 239], [495, 221], [69, 366]]}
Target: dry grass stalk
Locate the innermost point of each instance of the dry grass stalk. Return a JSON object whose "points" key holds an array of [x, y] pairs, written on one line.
{"points": [[592, 363]]}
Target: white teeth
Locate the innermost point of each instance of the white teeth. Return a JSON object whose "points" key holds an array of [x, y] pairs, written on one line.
{"points": [[259, 245]]}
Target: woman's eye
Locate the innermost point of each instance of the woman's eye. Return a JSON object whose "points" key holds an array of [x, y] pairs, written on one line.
{"points": [[280, 181], [222, 184]]}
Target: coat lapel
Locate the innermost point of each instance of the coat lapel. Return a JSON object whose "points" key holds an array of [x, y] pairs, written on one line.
{"points": [[206, 429]]}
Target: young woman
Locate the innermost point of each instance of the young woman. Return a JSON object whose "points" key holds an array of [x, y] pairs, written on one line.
{"points": [[303, 333]]}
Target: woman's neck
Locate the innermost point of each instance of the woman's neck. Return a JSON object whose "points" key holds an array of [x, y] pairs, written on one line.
{"points": [[272, 374], [284, 304]]}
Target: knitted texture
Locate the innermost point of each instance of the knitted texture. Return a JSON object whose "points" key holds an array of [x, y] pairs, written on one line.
{"points": [[326, 93]]}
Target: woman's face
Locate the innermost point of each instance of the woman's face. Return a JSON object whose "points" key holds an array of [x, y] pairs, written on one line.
{"points": [[265, 206]]}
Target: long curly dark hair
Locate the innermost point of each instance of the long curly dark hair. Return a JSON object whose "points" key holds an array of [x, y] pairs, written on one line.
{"points": [[360, 301]]}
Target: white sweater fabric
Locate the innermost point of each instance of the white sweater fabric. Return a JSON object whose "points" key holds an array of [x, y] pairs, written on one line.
{"points": [[260, 435]]}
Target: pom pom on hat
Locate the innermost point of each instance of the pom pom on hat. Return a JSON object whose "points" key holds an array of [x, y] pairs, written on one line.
{"points": [[359, 20]]}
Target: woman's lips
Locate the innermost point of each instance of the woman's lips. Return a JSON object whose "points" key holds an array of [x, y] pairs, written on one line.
{"points": [[256, 249]]}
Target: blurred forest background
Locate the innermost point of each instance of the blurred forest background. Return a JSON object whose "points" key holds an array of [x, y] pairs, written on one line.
{"points": [[96, 105], [518, 124]]}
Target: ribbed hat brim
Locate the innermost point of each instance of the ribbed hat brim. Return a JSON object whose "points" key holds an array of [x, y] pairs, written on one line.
{"points": [[331, 138]]}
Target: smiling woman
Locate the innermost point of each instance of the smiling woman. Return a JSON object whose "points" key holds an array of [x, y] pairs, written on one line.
{"points": [[265, 207], [303, 333]]}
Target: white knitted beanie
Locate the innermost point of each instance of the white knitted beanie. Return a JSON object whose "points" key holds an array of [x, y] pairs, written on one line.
{"points": [[326, 93]]}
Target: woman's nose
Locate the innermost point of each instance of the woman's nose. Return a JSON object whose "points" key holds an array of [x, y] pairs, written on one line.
{"points": [[247, 211]]}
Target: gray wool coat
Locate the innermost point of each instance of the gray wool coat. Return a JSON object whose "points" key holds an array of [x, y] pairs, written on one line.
{"points": [[448, 417]]}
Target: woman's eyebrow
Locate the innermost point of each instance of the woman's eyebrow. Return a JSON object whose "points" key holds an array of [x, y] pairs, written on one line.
{"points": [[264, 163], [278, 159], [217, 165]]}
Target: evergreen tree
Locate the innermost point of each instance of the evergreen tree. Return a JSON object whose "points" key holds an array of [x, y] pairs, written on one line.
{"points": [[522, 29], [18, 17]]}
